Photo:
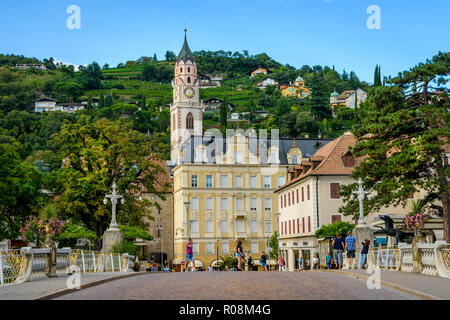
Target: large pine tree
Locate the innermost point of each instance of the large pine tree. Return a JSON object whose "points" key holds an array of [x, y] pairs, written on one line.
{"points": [[320, 103], [402, 137]]}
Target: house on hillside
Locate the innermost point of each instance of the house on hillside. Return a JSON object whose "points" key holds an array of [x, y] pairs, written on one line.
{"points": [[297, 89], [213, 104], [47, 104], [210, 81], [258, 71], [347, 99], [38, 66], [267, 82]]}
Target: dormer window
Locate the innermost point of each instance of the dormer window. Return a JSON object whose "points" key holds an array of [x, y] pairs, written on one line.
{"points": [[294, 159], [348, 160]]}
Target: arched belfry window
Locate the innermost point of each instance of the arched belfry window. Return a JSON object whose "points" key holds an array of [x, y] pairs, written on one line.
{"points": [[181, 70], [188, 79], [189, 69], [189, 121]]}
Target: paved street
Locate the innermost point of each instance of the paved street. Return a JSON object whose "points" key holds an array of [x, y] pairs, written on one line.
{"points": [[35, 289], [237, 285]]}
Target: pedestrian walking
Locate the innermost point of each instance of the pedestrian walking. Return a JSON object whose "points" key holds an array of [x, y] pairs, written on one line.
{"points": [[350, 247], [300, 263], [364, 252], [338, 247], [250, 263], [281, 264], [239, 255], [316, 262], [189, 255], [263, 261], [328, 259]]}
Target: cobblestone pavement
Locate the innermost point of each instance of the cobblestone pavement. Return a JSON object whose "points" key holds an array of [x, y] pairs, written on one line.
{"points": [[35, 289], [433, 286], [237, 285]]}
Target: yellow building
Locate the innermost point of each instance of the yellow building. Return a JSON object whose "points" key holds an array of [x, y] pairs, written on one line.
{"points": [[230, 186], [297, 89]]}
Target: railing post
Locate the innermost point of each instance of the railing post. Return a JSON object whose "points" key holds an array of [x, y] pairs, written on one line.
{"points": [[120, 263], [93, 260], [112, 262], [82, 261], [1, 270]]}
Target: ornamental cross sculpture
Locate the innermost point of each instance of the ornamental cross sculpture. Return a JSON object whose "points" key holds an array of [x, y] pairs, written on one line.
{"points": [[113, 196], [361, 193]]}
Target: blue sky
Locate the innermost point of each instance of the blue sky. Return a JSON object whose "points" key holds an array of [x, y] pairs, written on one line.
{"points": [[297, 32]]}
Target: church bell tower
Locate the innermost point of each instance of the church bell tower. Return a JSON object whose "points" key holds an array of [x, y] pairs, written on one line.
{"points": [[186, 110]]}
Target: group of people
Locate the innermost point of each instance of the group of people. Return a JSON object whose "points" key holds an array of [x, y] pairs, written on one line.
{"points": [[339, 244], [348, 245]]}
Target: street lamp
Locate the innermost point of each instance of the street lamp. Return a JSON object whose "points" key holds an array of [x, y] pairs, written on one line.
{"points": [[360, 193], [186, 204], [217, 261], [113, 196], [277, 214], [161, 229]]}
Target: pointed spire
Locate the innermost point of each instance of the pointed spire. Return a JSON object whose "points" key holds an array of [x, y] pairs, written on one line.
{"points": [[293, 144], [185, 53]]}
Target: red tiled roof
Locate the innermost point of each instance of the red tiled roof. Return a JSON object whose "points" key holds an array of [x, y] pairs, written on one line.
{"points": [[330, 158]]}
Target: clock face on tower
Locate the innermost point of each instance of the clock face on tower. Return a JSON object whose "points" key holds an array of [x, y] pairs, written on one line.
{"points": [[189, 92]]}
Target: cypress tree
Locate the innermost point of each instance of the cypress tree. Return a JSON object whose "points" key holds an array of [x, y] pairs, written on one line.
{"points": [[101, 103], [109, 101], [223, 115]]}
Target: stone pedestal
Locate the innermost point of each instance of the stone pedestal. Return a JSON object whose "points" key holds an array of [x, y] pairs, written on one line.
{"points": [[362, 232], [111, 237]]}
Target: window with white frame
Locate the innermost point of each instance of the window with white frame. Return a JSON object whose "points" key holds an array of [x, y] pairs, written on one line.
{"points": [[209, 247], [268, 226], [209, 204], [280, 181], [223, 180], [224, 226], [209, 226], [194, 203], [223, 204], [294, 159], [194, 226], [266, 182], [252, 181], [238, 157], [238, 181], [239, 226], [267, 204], [224, 247], [253, 226], [209, 181], [239, 205], [254, 247], [194, 181], [195, 248], [253, 204]]}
